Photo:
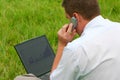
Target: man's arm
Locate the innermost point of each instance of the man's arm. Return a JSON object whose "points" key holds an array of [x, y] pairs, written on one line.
{"points": [[65, 35], [58, 56]]}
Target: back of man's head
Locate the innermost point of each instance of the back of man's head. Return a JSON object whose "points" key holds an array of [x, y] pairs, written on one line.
{"points": [[88, 9]]}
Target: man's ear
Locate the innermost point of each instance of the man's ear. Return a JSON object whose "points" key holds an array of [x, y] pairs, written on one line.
{"points": [[78, 17]]}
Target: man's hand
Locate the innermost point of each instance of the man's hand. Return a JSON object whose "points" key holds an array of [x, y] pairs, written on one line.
{"points": [[66, 34]]}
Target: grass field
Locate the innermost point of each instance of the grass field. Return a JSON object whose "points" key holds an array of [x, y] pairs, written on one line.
{"points": [[21, 20]]}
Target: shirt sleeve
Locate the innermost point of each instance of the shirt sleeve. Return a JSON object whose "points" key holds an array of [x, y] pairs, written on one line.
{"points": [[67, 68]]}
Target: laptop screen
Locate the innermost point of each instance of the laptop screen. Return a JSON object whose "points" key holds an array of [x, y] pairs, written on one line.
{"points": [[36, 55]]}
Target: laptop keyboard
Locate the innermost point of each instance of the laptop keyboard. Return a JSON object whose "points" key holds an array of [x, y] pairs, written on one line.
{"points": [[45, 76]]}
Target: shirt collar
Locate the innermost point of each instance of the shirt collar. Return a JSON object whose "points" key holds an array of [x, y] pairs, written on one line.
{"points": [[92, 23]]}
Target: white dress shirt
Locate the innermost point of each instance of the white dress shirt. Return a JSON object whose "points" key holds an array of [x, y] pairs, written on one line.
{"points": [[93, 56]]}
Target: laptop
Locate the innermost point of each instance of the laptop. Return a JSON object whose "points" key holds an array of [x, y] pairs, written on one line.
{"points": [[37, 56]]}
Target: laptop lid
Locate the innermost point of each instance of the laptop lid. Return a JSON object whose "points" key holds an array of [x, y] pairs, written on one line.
{"points": [[36, 55]]}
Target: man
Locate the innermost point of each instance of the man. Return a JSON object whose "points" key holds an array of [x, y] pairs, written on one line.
{"points": [[95, 55]]}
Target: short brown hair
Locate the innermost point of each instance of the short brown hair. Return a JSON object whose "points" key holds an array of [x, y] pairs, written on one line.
{"points": [[87, 8]]}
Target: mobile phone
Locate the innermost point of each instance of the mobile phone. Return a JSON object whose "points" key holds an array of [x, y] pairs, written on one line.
{"points": [[74, 22]]}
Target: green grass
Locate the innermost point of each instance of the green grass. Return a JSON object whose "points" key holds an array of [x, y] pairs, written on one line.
{"points": [[21, 20]]}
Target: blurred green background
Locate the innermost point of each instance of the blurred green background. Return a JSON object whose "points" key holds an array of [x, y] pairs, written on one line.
{"points": [[21, 20]]}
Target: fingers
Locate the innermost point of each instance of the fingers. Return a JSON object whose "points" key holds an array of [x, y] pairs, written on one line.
{"points": [[66, 34], [65, 27], [70, 28]]}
